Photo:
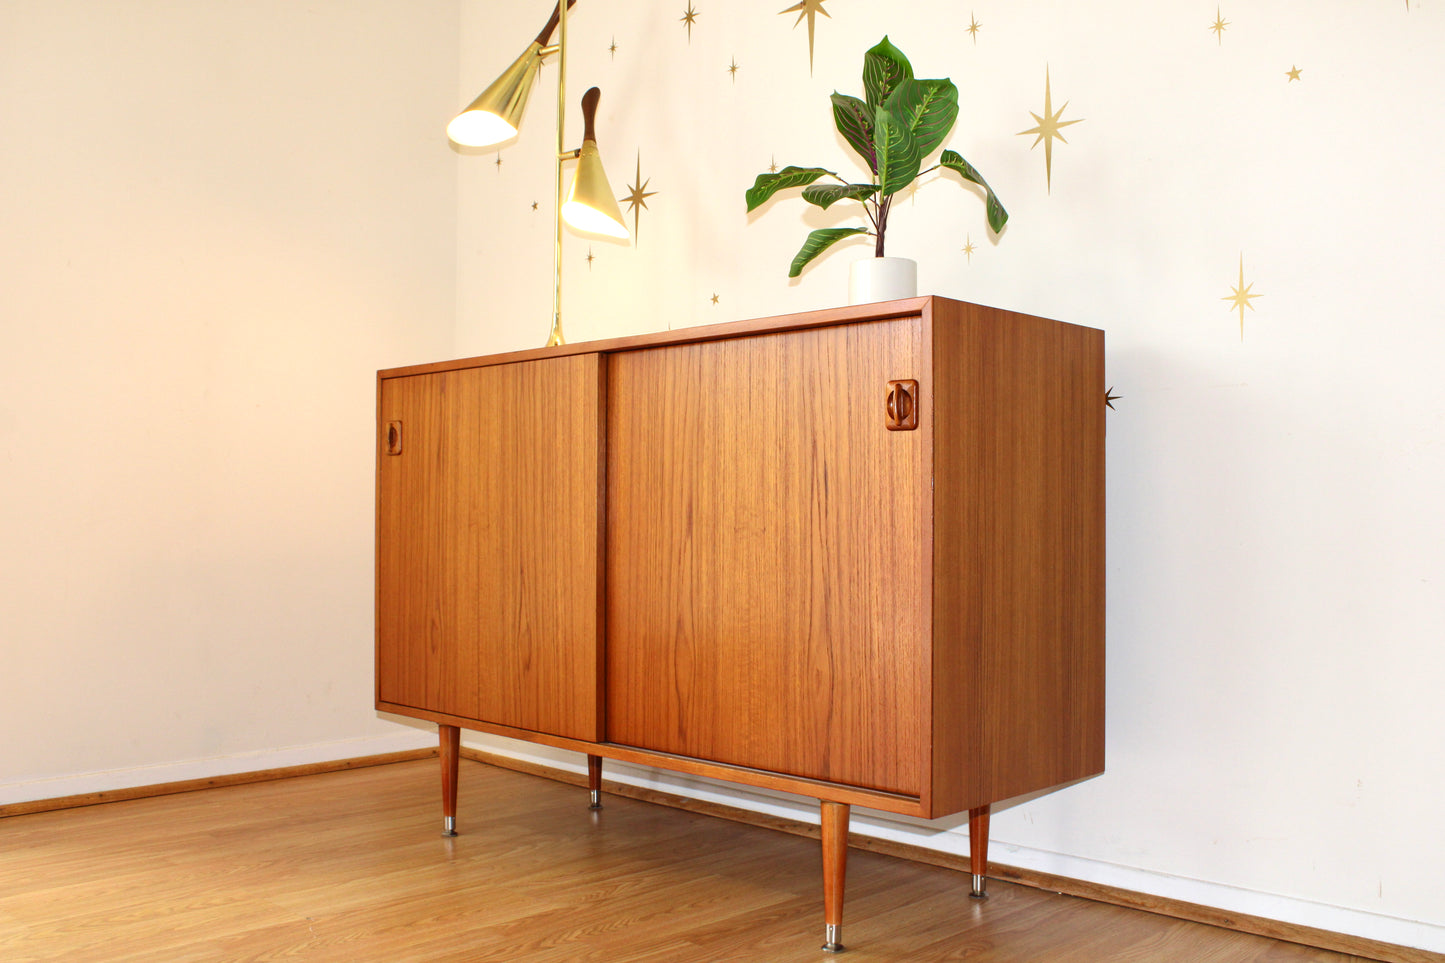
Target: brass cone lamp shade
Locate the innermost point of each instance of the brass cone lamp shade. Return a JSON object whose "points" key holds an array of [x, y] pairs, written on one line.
{"points": [[591, 206], [496, 115]]}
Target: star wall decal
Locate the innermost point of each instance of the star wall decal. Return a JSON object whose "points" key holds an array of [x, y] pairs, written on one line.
{"points": [[590, 258], [1048, 129], [732, 69], [773, 166], [637, 197], [809, 9], [1292, 73], [714, 298], [534, 205], [1241, 296], [969, 247], [973, 27], [689, 18], [499, 162], [613, 48], [1110, 398], [1218, 26]]}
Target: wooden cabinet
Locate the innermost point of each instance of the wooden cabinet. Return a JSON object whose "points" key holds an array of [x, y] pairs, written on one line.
{"points": [[855, 554]]}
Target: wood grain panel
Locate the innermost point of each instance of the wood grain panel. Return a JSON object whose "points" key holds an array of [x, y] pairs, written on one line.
{"points": [[766, 604], [489, 539], [1019, 541]]}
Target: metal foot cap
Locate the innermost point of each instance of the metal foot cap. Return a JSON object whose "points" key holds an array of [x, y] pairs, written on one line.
{"points": [[980, 887], [831, 934], [449, 825]]}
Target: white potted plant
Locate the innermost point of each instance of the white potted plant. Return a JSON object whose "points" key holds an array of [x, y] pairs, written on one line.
{"points": [[899, 124]]}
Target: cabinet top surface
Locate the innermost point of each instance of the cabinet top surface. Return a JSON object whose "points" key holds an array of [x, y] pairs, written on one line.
{"points": [[909, 307]]}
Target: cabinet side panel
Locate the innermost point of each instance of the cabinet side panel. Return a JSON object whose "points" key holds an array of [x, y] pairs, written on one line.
{"points": [[1032, 594], [764, 583], [958, 604]]}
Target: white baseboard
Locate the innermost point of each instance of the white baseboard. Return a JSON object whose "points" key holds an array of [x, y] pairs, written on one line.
{"points": [[18, 791], [954, 840]]}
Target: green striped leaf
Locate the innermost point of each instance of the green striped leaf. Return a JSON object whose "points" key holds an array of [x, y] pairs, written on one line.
{"points": [[997, 216], [883, 68], [854, 120], [826, 195], [928, 108], [898, 159], [818, 242], [769, 184]]}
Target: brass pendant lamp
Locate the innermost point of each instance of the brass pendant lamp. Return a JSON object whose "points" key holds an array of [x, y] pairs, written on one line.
{"points": [[496, 116]]}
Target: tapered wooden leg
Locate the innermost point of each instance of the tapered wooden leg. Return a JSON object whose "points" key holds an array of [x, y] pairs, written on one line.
{"points": [[451, 754], [835, 869], [978, 850], [594, 782]]}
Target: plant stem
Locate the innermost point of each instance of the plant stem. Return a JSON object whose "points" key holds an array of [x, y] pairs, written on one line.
{"points": [[882, 224]]}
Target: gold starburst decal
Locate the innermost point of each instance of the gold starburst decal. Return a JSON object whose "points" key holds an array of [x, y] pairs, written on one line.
{"points": [[613, 48], [773, 167], [1110, 398], [733, 69], [1048, 129], [714, 299], [1292, 73], [689, 18], [809, 9], [1218, 26], [590, 258], [637, 198], [973, 26], [968, 248], [1241, 296]]}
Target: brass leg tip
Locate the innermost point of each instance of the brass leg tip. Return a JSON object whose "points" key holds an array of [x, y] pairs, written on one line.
{"points": [[980, 887]]}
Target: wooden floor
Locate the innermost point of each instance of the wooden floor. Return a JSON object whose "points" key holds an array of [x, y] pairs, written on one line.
{"points": [[351, 866]]}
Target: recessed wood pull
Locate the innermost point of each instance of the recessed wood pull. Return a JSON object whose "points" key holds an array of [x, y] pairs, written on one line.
{"points": [[902, 406], [393, 438]]}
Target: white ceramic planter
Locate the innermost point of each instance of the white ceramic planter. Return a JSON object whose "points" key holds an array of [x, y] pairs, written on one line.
{"points": [[882, 279]]}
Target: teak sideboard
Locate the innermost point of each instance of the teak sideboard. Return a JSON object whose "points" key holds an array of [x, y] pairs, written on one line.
{"points": [[855, 554]]}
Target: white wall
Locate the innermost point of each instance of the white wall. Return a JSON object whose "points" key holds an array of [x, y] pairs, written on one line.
{"points": [[217, 220], [1275, 595]]}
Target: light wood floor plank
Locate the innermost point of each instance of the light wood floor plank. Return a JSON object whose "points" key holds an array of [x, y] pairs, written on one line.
{"points": [[350, 866]]}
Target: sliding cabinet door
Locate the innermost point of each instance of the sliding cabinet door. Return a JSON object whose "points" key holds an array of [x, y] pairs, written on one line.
{"points": [[766, 591], [489, 544]]}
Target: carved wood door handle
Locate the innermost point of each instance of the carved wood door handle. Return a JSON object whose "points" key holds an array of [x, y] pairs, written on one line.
{"points": [[902, 405]]}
